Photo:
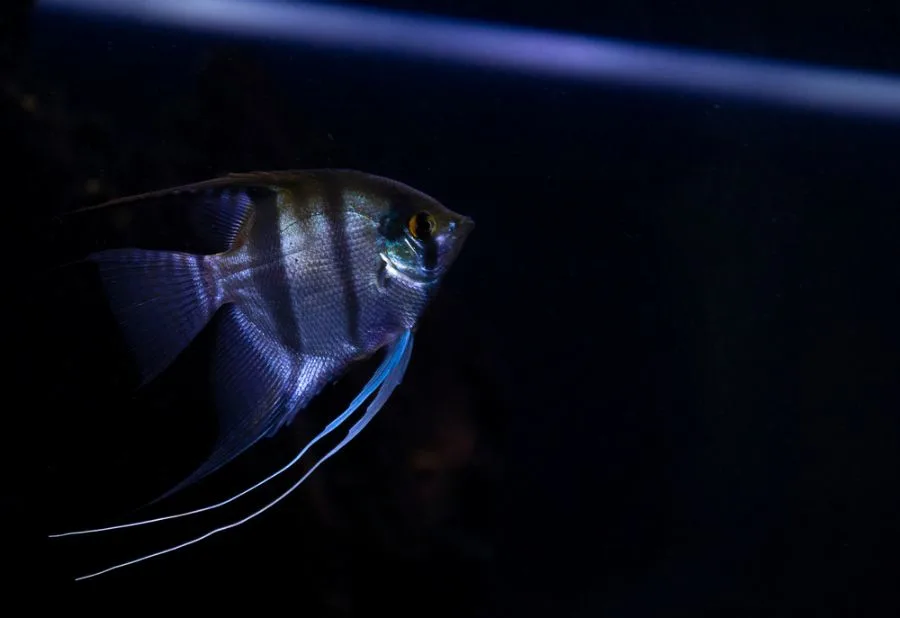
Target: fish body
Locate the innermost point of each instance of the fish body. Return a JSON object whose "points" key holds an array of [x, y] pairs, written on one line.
{"points": [[318, 269]]}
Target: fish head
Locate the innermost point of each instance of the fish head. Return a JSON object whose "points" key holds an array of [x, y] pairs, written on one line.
{"points": [[420, 239], [424, 242]]}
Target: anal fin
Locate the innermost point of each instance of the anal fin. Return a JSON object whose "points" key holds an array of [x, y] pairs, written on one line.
{"points": [[257, 382]]}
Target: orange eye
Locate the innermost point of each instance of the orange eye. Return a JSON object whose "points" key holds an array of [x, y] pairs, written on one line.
{"points": [[422, 225]]}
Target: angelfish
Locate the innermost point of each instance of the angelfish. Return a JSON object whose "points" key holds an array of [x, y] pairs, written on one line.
{"points": [[321, 269]]}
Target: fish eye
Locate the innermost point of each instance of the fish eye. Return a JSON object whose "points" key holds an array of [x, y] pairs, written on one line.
{"points": [[422, 225]]}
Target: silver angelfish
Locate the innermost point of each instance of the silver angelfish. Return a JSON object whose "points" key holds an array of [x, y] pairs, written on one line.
{"points": [[322, 268]]}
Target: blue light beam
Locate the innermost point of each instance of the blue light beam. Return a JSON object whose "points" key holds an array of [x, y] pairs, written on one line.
{"points": [[519, 50]]}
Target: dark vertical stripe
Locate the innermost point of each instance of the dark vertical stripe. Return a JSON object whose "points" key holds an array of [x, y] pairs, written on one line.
{"points": [[430, 253], [340, 248], [272, 281]]}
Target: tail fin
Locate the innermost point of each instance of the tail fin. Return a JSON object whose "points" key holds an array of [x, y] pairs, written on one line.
{"points": [[161, 299]]}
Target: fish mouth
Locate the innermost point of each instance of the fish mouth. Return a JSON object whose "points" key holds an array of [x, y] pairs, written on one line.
{"points": [[453, 241], [460, 230], [464, 227]]}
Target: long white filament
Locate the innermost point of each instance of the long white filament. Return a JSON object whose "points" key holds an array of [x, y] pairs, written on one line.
{"points": [[388, 377], [389, 362]]}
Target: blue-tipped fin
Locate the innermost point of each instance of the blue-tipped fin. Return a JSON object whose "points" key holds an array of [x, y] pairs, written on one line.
{"points": [[395, 366], [385, 378]]}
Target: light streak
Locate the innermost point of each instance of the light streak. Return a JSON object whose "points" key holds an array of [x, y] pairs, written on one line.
{"points": [[515, 49]]}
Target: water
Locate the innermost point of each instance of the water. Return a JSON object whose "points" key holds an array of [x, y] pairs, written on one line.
{"points": [[663, 374]]}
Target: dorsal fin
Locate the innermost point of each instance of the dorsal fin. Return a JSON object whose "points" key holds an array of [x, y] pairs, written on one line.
{"points": [[262, 180], [202, 217]]}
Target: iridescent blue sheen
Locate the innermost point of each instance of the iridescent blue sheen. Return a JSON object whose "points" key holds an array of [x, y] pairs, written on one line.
{"points": [[319, 269]]}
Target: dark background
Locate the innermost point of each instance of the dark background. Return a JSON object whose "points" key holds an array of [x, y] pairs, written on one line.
{"points": [[662, 380]]}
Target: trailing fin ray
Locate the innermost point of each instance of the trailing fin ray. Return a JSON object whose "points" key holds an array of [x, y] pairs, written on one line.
{"points": [[400, 354], [384, 380]]}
